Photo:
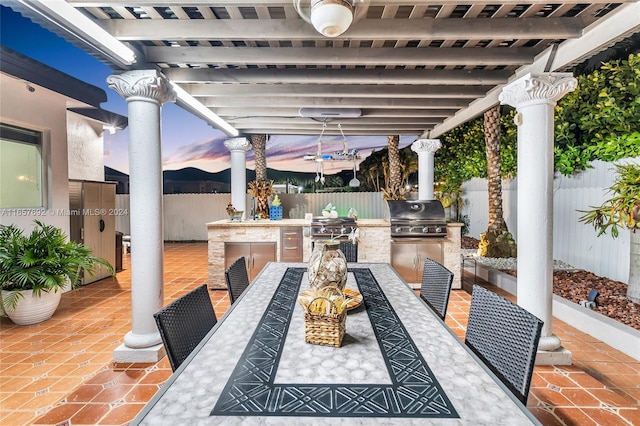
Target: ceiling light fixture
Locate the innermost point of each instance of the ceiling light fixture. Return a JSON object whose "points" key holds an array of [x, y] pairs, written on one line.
{"points": [[190, 103], [329, 17]]}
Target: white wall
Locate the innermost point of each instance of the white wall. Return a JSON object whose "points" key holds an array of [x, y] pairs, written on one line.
{"points": [[44, 111], [85, 148], [574, 242]]}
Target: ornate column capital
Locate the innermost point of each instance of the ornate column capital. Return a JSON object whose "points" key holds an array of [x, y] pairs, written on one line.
{"points": [[422, 146], [533, 89], [237, 144], [142, 85]]}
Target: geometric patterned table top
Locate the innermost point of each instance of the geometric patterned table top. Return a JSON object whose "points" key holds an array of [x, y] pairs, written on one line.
{"points": [[252, 388]]}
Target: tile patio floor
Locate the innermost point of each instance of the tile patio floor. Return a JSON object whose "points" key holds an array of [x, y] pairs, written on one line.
{"points": [[61, 372]]}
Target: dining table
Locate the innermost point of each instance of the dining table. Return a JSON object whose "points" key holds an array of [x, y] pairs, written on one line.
{"points": [[398, 363]]}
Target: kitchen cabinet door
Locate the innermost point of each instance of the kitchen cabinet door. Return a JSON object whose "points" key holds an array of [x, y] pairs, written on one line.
{"points": [[407, 258], [256, 255]]}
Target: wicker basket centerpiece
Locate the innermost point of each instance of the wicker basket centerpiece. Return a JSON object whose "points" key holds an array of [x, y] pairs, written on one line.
{"points": [[325, 315]]}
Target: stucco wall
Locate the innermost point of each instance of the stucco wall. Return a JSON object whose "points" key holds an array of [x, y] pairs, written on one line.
{"points": [[44, 111], [85, 148]]}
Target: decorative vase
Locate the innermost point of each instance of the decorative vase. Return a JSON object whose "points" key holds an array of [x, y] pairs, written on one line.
{"points": [[33, 309], [275, 212], [327, 266]]}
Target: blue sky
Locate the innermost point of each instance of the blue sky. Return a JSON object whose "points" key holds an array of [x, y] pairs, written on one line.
{"points": [[187, 141]]}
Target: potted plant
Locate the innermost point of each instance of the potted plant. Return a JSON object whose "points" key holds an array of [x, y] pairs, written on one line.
{"points": [[36, 267], [275, 211]]}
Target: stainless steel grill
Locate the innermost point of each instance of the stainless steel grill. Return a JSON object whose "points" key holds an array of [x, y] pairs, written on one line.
{"points": [[417, 219], [324, 227]]}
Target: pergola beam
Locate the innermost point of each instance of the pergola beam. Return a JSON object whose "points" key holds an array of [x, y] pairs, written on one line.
{"points": [[198, 90], [338, 76], [331, 102], [389, 29], [269, 111], [302, 56]]}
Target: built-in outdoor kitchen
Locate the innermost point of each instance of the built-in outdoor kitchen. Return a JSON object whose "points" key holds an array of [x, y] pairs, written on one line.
{"points": [[413, 231]]}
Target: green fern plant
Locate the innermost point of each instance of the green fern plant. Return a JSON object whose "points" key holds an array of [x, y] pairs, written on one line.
{"points": [[42, 260]]}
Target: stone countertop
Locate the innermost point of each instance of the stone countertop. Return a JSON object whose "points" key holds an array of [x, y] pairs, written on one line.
{"points": [[227, 223]]}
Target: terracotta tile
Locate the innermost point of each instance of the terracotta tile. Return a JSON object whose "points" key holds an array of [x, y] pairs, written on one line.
{"points": [[17, 400], [40, 384], [580, 397], [122, 414], [62, 370], [155, 378], [17, 370], [624, 381], [551, 397], [586, 381], [632, 415], [112, 393], [613, 398], [545, 417], [13, 385], [558, 380], [17, 418], [604, 417], [59, 414], [90, 414], [45, 400], [66, 384], [574, 417], [103, 377], [84, 393], [141, 393]]}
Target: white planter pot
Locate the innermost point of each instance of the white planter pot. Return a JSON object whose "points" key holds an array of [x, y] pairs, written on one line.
{"points": [[33, 309]]}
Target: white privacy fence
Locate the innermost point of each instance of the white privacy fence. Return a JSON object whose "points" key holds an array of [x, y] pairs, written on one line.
{"points": [[573, 241], [185, 216]]}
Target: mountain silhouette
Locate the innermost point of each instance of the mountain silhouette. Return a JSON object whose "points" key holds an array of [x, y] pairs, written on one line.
{"points": [[192, 174]]}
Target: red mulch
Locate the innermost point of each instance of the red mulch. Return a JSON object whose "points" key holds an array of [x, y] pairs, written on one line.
{"points": [[575, 286]]}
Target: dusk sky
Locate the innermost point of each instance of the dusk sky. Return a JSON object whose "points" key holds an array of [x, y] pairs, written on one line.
{"points": [[187, 141]]}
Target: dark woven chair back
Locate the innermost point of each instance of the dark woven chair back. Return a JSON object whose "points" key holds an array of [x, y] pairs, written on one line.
{"points": [[505, 336], [237, 279], [436, 286], [350, 250], [184, 322]]}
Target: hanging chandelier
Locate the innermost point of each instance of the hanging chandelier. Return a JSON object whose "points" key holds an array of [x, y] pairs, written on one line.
{"points": [[319, 157]]}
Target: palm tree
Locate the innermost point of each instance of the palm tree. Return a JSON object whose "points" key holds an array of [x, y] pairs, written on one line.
{"points": [[259, 143], [394, 190], [261, 189], [497, 241]]}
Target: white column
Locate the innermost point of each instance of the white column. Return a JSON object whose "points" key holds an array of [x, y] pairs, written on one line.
{"points": [[535, 96], [426, 149], [145, 92], [238, 148]]}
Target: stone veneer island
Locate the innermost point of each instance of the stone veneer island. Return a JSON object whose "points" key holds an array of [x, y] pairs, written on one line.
{"points": [[374, 243]]}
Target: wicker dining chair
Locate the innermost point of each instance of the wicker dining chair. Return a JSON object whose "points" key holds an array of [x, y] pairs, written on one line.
{"points": [[184, 322], [236, 278], [436, 286], [505, 337]]}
